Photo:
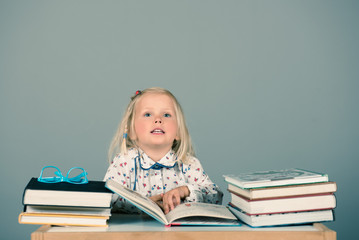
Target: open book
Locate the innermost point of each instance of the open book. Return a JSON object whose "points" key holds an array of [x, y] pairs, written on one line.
{"points": [[184, 214]]}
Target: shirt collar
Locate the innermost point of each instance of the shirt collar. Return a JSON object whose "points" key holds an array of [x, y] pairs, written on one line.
{"points": [[167, 161]]}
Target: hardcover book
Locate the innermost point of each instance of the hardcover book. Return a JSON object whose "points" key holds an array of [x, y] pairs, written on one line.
{"points": [[193, 213], [272, 178], [262, 220], [88, 211], [283, 191], [63, 219], [91, 194], [285, 204]]}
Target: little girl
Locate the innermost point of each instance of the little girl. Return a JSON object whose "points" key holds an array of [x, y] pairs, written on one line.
{"points": [[154, 155]]}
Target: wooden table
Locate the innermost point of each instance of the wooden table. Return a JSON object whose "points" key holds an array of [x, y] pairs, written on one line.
{"points": [[143, 227]]}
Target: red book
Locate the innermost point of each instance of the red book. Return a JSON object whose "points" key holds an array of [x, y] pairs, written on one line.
{"points": [[284, 204], [284, 191]]}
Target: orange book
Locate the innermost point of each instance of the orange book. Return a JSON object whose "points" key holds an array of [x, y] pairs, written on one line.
{"points": [[63, 219]]}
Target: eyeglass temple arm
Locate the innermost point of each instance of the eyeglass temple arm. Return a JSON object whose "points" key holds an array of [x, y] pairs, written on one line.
{"points": [[79, 176]]}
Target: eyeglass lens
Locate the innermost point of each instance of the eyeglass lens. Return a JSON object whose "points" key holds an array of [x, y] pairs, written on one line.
{"points": [[76, 175], [50, 174]]}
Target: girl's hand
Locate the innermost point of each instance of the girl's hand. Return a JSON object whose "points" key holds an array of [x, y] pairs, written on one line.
{"points": [[158, 200], [173, 198]]}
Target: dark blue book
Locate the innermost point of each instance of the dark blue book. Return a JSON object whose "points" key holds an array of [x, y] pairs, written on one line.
{"points": [[91, 194]]}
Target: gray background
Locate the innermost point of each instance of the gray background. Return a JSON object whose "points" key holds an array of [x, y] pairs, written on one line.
{"points": [[264, 85]]}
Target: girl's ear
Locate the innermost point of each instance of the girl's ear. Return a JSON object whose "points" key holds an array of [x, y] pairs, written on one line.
{"points": [[177, 138], [133, 136]]}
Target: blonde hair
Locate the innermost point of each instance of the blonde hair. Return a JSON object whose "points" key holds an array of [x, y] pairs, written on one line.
{"points": [[122, 141]]}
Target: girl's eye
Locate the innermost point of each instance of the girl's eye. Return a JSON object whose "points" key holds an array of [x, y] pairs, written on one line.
{"points": [[167, 115], [147, 114]]}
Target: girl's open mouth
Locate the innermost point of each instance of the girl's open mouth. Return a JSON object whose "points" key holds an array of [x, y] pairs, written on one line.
{"points": [[158, 131]]}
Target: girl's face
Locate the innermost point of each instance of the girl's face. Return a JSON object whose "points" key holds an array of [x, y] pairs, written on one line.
{"points": [[155, 122]]}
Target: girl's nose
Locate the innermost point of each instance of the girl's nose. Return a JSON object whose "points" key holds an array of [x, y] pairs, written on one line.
{"points": [[158, 119]]}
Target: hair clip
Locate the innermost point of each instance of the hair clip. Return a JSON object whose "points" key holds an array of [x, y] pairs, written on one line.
{"points": [[124, 143], [138, 92]]}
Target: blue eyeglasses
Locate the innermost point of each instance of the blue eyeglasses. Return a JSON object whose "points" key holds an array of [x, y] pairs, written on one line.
{"points": [[51, 174]]}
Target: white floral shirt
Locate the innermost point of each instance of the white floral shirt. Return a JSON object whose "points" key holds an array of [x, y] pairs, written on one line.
{"points": [[139, 172]]}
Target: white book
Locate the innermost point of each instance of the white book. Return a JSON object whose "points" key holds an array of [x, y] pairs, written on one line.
{"points": [[191, 213], [286, 204], [283, 218], [272, 178], [68, 210]]}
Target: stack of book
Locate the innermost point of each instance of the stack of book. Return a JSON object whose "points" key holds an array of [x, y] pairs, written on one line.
{"points": [[66, 204], [284, 197]]}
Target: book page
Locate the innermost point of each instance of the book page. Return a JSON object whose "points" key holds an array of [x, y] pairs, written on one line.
{"points": [[199, 209], [143, 203]]}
